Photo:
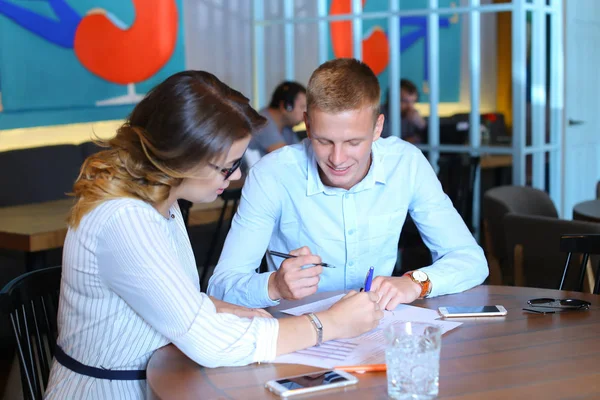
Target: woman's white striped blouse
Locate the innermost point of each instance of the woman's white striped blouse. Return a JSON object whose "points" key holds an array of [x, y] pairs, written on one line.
{"points": [[130, 286]]}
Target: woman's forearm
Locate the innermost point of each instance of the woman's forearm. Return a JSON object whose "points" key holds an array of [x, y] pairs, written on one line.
{"points": [[297, 333]]}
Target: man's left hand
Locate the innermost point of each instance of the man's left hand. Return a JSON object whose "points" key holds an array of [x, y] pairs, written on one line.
{"points": [[395, 290]]}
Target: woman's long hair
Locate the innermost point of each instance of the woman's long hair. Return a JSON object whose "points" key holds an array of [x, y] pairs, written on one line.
{"points": [[189, 119]]}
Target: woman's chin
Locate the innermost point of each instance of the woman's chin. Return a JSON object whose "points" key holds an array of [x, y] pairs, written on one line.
{"points": [[205, 198]]}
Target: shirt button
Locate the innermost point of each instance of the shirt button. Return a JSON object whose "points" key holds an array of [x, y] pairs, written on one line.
{"points": [[347, 195], [351, 231], [351, 263]]}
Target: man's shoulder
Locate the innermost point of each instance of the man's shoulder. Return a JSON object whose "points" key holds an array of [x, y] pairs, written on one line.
{"points": [[393, 145], [289, 159], [265, 113]]}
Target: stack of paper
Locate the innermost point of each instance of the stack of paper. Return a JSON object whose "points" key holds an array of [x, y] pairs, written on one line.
{"points": [[368, 348]]}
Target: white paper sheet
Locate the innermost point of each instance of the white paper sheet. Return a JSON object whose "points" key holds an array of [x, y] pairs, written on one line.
{"points": [[317, 306], [369, 348]]}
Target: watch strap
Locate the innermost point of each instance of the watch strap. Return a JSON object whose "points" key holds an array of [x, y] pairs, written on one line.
{"points": [[318, 327], [425, 286]]}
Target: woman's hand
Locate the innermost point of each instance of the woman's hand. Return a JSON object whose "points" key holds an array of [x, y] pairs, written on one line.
{"points": [[355, 314], [244, 312]]}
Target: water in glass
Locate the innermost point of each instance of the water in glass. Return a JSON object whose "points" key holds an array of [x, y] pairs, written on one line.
{"points": [[413, 360]]}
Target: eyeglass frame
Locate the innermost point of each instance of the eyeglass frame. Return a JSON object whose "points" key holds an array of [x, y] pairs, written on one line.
{"points": [[227, 172], [562, 304]]}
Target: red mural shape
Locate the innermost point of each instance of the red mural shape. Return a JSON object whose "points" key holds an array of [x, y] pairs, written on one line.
{"points": [[125, 56], [375, 46]]}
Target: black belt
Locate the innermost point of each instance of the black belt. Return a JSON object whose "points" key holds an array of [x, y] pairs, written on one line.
{"points": [[114, 375]]}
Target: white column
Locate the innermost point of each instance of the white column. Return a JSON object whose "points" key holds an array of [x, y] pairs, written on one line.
{"points": [[538, 93], [433, 36], [288, 12], [557, 59], [394, 68], [474, 118], [258, 54], [357, 29], [518, 90]]}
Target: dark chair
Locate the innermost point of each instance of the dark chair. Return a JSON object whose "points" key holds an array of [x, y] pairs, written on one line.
{"points": [[89, 148], [39, 174], [585, 245], [229, 196], [185, 207], [498, 202], [414, 254], [31, 303], [536, 252], [457, 175]]}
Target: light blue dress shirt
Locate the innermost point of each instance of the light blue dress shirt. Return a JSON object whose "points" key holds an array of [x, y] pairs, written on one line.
{"points": [[285, 206]]}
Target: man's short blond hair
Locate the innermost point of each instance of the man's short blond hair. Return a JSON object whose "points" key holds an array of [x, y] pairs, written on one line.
{"points": [[343, 84]]}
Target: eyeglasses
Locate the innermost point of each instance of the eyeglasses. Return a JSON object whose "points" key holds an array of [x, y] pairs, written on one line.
{"points": [[558, 304], [227, 172]]}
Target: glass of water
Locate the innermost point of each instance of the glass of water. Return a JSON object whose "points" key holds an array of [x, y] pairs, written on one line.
{"points": [[413, 360]]}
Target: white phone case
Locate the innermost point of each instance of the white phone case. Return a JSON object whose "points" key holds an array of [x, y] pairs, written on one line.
{"points": [[282, 391], [446, 314]]}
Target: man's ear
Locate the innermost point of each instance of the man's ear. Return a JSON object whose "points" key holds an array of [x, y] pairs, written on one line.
{"points": [[281, 106], [307, 124], [378, 127]]}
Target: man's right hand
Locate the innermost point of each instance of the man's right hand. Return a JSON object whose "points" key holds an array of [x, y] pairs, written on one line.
{"points": [[415, 118], [291, 281]]}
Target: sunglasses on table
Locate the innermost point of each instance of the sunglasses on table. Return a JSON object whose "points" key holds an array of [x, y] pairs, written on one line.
{"points": [[227, 172], [546, 305]]}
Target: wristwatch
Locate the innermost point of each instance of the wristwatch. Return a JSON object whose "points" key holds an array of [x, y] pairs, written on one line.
{"points": [[318, 327], [422, 279]]}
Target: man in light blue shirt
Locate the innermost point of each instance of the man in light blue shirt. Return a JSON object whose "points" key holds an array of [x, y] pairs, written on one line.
{"points": [[341, 197]]}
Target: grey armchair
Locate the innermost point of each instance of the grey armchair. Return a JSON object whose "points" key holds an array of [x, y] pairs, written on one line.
{"points": [[533, 245], [498, 202]]}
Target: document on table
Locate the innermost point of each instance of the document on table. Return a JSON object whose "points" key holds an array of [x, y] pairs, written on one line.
{"points": [[368, 348]]}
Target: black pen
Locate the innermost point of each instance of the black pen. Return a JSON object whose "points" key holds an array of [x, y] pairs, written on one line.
{"points": [[286, 256]]}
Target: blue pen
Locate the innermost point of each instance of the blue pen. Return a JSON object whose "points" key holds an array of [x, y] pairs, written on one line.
{"points": [[369, 279]]}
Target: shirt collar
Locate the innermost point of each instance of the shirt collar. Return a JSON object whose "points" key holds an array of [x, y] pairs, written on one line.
{"points": [[314, 184], [375, 175]]}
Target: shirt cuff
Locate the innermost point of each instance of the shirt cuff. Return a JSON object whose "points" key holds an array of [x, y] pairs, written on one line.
{"points": [[264, 299], [266, 343]]}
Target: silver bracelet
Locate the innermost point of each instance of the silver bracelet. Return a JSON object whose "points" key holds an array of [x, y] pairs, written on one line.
{"points": [[318, 327]]}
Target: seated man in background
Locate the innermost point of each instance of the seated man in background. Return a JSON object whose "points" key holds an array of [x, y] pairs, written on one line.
{"points": [[412, 125], [344, 196], [285, 111]]}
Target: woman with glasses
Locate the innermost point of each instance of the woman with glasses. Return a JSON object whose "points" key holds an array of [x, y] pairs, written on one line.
{"points": [[129, 280]]}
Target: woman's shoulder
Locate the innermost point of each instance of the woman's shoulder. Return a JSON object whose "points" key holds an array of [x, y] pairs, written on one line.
{"points": [[120, 209]]}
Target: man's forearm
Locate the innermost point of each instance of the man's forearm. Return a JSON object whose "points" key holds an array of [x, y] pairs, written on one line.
{"points": [[246, 289], [457, 271]]}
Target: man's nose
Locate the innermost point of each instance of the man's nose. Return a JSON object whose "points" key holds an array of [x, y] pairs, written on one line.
{"points": [[337, 157]]}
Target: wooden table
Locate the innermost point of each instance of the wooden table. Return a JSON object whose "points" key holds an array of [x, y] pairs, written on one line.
{"points": [[521, 356], [587, 211], [35, 228], [491, 161]]}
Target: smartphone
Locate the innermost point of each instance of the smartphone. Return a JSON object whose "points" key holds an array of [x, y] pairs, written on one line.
{"points": [[308, 383], [479, 311]]}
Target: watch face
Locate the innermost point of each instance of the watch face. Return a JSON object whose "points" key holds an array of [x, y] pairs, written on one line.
{"points": [[420, 276]]}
